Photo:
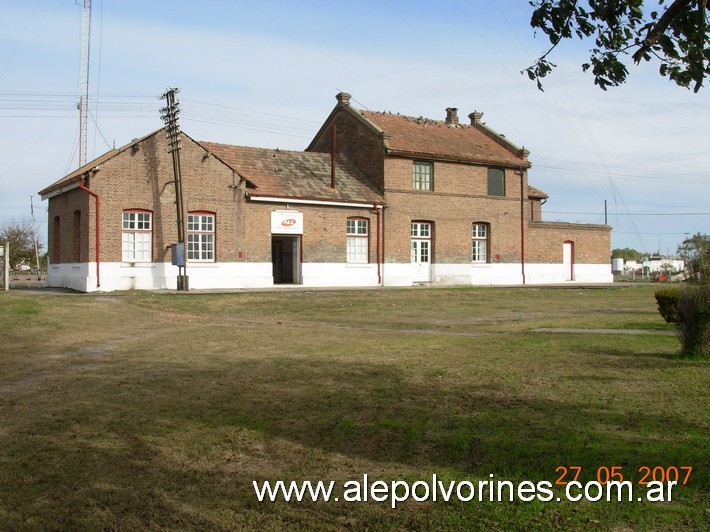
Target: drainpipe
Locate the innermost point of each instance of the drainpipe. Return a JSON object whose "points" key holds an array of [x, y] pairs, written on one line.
{"points": [[332, 156], [522, 222], [379, 271], [98, 226]]}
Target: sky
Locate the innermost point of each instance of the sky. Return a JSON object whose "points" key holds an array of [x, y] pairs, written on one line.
{"points": [[265, 73]]}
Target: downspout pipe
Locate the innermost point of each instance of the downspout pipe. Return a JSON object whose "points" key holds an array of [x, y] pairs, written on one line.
{"points": [[522, 222], [98, 227], [378, 212], [333, 148]]}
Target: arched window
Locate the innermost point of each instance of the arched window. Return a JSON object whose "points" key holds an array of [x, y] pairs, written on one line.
{"points": [[137, 241], [56, 240], [76, 237], [480, 234], [201, 237], [357, 236]]}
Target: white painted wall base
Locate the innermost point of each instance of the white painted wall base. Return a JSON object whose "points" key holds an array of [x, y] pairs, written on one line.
{"points": [[334, 274], [156, 276]]}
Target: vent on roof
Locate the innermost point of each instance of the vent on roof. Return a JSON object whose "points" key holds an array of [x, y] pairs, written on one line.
{"points": [[452, 118], [475, 117], [343, 98]]}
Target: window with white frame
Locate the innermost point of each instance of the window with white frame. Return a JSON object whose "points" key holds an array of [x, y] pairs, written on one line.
{"points": [[479, 239], [423, 176], [421, 242], [357, 241], [200, 237], [137, 241]]}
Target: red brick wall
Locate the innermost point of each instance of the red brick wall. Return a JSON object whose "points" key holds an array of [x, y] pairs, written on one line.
{"points": [[324, 231], [592, 243], [64, 207], [355, 142], [143, 179]]}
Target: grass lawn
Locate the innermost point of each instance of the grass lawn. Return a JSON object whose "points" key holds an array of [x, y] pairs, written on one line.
{"points": [[158, 411]]}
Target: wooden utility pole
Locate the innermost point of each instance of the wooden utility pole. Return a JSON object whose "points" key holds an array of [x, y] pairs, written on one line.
{"points": [[169, 114], [34, 238]]}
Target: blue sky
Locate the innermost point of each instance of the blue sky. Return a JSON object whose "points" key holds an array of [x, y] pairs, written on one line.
{"points": [[265, 73]]}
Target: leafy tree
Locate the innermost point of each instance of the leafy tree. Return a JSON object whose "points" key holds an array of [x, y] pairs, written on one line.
{"points": [[22, 244], [675, 32], [626, 254], [695, 251]]}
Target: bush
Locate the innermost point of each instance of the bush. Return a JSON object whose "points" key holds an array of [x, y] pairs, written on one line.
{"points": [[694, 320], [667, 299]]}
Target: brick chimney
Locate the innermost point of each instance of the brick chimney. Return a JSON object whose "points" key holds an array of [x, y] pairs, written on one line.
{"points": [[452, 118], [475, 117], [343, 98]]}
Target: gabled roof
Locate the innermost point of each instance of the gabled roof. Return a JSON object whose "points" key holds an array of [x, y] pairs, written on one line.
{"points": [[72, 179], [423, 137], [295, 174]]}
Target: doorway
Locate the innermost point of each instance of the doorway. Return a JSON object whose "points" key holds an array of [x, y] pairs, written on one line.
{"points": [[286, 259], [421, 233], [568, 260]]}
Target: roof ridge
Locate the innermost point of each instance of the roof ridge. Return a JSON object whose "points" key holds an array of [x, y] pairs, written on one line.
{"points": [[419, 119]]}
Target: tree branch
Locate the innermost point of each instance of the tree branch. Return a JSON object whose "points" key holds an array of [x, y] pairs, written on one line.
{"points": [[660, 27]]}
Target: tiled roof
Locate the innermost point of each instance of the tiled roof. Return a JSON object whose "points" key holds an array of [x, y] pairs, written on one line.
{"points": [[536, 193], [295, 174], [424, 137]]}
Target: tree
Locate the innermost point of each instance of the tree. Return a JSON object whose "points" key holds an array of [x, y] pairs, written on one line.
{"points": [[695, 251], [22, 243], [675, 33], [626, 254]]}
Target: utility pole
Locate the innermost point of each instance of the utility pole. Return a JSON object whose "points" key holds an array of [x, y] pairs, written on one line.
{"points": [[83, 104], [6, 265], [169, 115], [34, 237]]}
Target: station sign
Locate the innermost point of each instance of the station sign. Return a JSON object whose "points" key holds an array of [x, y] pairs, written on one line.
{"points": [[286, 223]]}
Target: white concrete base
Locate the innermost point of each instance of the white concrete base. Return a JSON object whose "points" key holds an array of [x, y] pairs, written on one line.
{"points": [[156, 276]]}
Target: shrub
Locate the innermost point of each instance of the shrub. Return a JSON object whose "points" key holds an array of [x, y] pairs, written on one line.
{"points": [[667, 299], [694, 320]]}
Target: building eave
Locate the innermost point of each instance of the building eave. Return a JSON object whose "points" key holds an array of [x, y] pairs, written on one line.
{"points": [[450, 159], [315, 201], [62, 189]]}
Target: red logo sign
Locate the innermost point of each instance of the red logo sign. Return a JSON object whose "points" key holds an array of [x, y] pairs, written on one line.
{"points": [[289, 222]]}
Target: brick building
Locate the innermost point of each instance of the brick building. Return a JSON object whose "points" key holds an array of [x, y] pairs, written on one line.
{"points": [[375, 199]]}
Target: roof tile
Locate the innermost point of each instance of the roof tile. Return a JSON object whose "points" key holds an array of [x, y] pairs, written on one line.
{"points": [[434, 138], [295, 174]]}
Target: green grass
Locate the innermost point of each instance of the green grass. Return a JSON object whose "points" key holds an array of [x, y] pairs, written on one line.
{"points": [[144, 410]]}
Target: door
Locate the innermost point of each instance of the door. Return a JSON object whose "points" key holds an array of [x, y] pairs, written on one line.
{"points": [[568, 260], [421, 233], [286, 259]]}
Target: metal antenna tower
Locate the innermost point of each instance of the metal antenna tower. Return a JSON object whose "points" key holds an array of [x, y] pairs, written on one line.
{"points": [[83, 104]]}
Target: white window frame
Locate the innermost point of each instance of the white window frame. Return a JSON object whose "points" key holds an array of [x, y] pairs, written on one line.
{"points": [[137, 235], [421, 242], [423, 175], [201, 237], [480, 232], [357, 232]]}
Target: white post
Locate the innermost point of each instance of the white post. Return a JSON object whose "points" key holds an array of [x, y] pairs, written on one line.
{"points": [[6, 268]]}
